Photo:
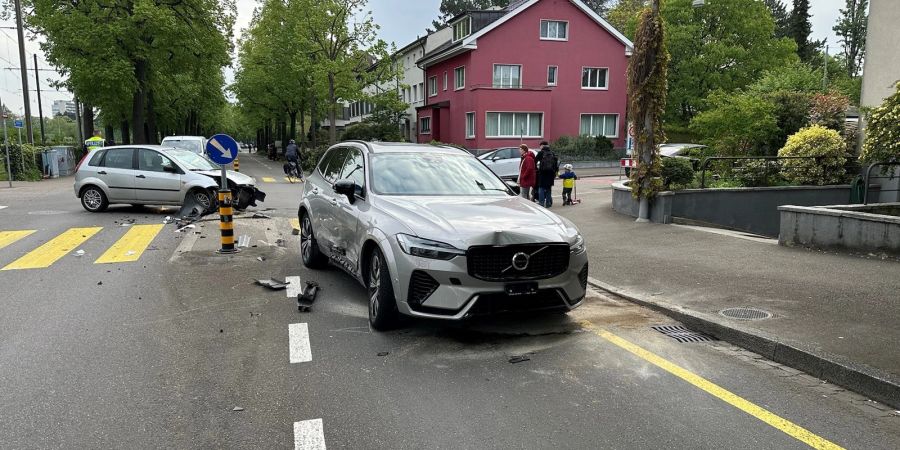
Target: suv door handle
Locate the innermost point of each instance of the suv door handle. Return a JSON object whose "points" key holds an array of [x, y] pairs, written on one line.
{"points": [[141, 176], [102, 172]]}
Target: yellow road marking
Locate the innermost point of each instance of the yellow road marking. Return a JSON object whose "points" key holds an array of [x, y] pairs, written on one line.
{"points": [[289, 179], [54, 249], [131, 246], [268, 180], [784, 425], [8, 237]]}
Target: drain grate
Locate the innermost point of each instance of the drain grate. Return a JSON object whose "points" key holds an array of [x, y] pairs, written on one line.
{"points": [[682, 334], [745, 313]]}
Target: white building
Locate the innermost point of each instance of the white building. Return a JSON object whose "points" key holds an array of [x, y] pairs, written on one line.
{"points": [[63, 107]]}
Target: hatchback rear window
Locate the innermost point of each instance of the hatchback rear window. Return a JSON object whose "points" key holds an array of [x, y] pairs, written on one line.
{"points": [[96, 158]]}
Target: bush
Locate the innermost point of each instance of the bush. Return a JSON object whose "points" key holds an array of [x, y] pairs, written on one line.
{"points": [[25, 160], [757, 172], [825, 144], [310, 157], [599, 147], [736, 124], [677, 172], [882, 131], [829, 110], [372, 131]]}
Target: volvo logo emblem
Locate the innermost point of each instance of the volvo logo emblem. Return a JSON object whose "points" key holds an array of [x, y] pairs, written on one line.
{"points": [[520, 261]]}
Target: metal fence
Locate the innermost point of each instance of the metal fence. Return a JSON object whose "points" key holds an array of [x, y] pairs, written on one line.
{"points": [[759, 171], [886, 175]]}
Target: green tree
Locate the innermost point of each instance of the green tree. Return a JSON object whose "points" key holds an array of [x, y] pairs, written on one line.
{"points": [[851, 30], [724, 45], [647, 72], [738, 124], [800, 30], [624, 16], [781, 17], [795, 78]]}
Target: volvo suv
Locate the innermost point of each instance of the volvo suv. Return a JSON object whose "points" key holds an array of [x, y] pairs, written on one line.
{"points": [[431, 232]]}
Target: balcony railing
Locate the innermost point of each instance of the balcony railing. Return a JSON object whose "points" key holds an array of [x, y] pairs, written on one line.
{"points": [[513, 88]]}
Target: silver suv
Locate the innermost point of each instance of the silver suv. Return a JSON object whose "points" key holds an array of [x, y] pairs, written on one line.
{"points": [[432, 232], [156, 175]]}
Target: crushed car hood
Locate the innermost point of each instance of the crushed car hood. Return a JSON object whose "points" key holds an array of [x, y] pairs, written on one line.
{"points": [[467, 221]]}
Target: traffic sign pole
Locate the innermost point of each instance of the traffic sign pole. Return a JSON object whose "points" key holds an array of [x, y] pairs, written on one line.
{"points": [[222, 149]]}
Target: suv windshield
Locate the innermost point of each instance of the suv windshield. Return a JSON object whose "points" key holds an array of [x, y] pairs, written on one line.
{"points": [[191, 160], [433, 174]]}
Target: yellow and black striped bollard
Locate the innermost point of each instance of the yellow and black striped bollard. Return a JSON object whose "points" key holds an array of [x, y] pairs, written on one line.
{"points": [[226, 223], [237, 164]]}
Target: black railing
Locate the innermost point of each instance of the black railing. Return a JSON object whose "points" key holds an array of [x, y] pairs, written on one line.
{"points": [[759, 170], [869, 178]]}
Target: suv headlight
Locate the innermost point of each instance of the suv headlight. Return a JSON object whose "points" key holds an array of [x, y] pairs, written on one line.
{"points": [[426, 248], [578, 247]]}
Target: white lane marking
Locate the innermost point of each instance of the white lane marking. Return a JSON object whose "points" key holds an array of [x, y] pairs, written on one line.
{"points": [[3, 207], [309, 435], [298, 335], [293, 289], [187, 243], [737, 234]]}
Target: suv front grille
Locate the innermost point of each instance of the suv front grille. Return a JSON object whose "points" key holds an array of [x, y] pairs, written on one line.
{"points": [[421, 286], [495, 263]]}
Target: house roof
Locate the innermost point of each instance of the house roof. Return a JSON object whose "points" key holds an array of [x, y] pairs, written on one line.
{"points": [[484, 22]]}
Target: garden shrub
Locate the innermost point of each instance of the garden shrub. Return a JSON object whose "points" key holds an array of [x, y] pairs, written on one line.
{"points": [[825, 144], [882, 142], [677, 172], [829, 110]]}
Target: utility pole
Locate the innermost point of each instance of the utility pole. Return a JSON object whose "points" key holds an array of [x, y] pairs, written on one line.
{"points": [[37, 84], [825, 71], [24, 62], [6, 143], [78, 124]]}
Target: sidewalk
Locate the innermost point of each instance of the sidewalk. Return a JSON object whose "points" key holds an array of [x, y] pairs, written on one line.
{"points": [[834, 316]]}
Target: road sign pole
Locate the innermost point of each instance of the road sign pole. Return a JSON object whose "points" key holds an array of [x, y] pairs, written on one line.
{"points": [[222, 149]]}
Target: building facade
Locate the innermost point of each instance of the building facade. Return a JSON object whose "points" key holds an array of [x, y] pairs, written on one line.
{"points": [[534, 71], [63, 108]]}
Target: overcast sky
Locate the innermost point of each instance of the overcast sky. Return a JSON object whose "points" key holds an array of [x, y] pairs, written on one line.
{"points": [[401, 22]]}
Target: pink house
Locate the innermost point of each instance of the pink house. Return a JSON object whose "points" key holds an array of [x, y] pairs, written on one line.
{"points": [[534, 71]]}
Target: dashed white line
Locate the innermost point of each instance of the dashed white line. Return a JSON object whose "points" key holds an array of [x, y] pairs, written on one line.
{"points": [[298, 335], [309, 435], [293, 289]]}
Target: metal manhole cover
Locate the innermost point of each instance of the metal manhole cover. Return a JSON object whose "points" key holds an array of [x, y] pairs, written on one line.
{"points": [[682, 334], [745, 314]]}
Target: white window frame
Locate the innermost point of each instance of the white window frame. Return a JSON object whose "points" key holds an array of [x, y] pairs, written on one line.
{"points": [[415, 91], [432, 87], [521, 80], [555, 76], [446, 80], [528, 120], [468, 21], [548, 38], [605, 82], [581, 116], [470, 133], [456, 84], [422, 128]]}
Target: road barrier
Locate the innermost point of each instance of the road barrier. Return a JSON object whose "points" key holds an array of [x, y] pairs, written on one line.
{"points": [[237, 164]]}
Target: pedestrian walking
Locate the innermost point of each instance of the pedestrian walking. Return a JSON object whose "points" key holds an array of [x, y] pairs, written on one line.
{"points": [[527, 172], [547, 166], [568, 176]]}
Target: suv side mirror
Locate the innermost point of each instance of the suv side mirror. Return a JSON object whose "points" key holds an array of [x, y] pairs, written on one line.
{"points": [[346, 187]]}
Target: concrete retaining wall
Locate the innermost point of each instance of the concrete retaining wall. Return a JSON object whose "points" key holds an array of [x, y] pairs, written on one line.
{"points": [[624, 203], [828, 228]]}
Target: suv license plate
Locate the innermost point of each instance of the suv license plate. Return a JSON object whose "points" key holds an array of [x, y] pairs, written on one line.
{"points": [[517, 289]]}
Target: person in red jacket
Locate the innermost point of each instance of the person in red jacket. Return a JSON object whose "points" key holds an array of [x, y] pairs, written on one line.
{"points": [[527, 172]]}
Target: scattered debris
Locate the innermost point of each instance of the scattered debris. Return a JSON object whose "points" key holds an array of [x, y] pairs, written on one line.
{"points": [[99, 283], [79, 253], [243, 241], [280, 243], [273, 284], [237, 408], [307, 297], [383, 353], [167, 220], [129, 253], [221, 331], [127, 223], [260, 258], [518, 359], [295, 231], [260, 216], [152, 248], [186, 227]]}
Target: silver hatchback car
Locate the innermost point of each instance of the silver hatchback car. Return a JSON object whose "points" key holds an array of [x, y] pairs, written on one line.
{"points": [[432, 232], [155, 175]]}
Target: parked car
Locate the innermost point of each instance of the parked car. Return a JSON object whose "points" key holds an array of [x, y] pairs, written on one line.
{"points": [[156, 175], [432, 233], [676, 151], [196, 144], [504, 162]]}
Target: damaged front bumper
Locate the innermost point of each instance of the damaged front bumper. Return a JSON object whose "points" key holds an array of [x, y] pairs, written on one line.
{"points": [[246, 196]]}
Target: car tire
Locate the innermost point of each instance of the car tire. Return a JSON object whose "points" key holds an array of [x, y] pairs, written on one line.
{"points": [[93, 199], [383, 314], [309, 248], [205, 199]]}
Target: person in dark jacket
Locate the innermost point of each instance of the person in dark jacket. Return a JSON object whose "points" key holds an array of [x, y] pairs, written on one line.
{"points": [[547, 167], [527, 171]]}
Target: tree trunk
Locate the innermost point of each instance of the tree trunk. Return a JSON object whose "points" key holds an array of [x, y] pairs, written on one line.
{"points": [[126, 133], [87, 121], [110, 134], [152, 136], [138, 118], [293, 125], [646, 155], [302, 122], [314, 112], [332, 111]]}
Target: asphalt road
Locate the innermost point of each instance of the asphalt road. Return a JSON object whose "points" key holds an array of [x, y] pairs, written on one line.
{"points": [[162, 353]]}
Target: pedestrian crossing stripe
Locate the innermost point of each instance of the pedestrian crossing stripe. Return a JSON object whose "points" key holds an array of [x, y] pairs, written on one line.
{"points": [[9, 237], [131, 246], [268, 180], [52, 251]]}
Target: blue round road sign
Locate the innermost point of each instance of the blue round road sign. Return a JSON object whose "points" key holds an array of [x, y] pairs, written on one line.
{"points": [[222, 149]]}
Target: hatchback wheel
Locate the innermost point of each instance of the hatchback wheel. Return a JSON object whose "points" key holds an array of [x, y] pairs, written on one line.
{"points": [[204, 199], [93, 199], [383, 313], [309, 248]]}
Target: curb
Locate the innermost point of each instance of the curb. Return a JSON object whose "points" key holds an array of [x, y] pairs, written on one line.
{"points": [[868, 381]]}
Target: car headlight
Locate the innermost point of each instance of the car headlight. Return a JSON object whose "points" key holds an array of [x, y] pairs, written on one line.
{"points": [[578, 247], [426, 248]]}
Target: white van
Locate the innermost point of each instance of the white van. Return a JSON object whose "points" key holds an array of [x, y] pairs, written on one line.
{"points": [[196, 144]]}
